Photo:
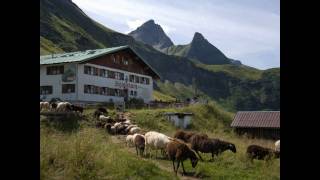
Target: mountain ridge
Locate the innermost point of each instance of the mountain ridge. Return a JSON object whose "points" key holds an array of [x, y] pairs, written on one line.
{"points": [[64, 27], [152, 34]]}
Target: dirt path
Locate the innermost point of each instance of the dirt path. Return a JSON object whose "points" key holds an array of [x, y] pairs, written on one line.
{"points": [[162, 164]]}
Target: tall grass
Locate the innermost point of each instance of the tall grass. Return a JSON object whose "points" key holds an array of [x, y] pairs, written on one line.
{"points": [[90, 154]]}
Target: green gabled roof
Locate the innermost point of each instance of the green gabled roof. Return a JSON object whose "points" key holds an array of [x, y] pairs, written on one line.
{"points": [[78, 56], [82, 56]]}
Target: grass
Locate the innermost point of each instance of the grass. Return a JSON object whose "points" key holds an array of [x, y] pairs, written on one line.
{"points": [[242, 71], [88, 153], [157, 95], [80, 151]]}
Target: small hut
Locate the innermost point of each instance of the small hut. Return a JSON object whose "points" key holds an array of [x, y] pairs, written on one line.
{"points": [[258, 124]]}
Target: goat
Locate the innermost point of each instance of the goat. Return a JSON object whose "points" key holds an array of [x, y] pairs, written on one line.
{"points": [[180, 151]]}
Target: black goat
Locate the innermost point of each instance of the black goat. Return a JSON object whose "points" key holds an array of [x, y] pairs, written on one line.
{"points": [[261, 153]]}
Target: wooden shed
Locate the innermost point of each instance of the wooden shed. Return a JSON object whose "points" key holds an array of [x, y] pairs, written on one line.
{"points": [[258, 124]]}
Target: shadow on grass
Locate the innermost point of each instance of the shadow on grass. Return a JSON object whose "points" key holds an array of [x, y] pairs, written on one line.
{"points": [[66, 124]]}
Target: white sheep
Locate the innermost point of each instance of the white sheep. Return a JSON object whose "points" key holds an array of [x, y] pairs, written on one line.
{"points": [[134, 130], [129, 140], [104, 118], [155, 140], [62, 106], [130, 126], [277, 145], [127, 121], [44, 105]]}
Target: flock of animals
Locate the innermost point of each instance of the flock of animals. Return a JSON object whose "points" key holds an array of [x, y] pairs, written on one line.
{"points": [[182, 146], [60, 106]]}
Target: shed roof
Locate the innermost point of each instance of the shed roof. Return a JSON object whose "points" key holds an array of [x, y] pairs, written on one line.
{"points": [[257, 119], [83, 56]]}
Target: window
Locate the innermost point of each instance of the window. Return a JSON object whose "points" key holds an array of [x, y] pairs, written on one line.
{"points": [[68, 88], [119, 75], [103, 73], [131, 93], [110, 92], [55, 70], [125, 61], [111, 74], [142, 80], [44, 90], [135, 93], [87, 70], [147, 81], [103, 91], [131, 78], [136, 79], [113, 58], [95, 71]]}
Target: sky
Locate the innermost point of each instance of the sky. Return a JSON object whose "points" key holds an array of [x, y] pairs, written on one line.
{"points": [[245, 30]]}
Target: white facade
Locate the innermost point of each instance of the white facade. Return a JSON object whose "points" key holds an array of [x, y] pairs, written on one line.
{"points": [[143, 91]]}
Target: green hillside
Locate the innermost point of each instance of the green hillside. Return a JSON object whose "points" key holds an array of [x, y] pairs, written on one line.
{"points": [[238, 71], [64, 27]]}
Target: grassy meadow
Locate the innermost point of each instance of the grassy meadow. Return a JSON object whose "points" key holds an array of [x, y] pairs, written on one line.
{"points": [[77, 150]]}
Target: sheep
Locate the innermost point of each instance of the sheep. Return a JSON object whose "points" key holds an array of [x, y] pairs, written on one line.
{"points": [[134, 130], [77, 108], [177, 150], [139, 142], [155, 140], [97, 114], [127, 121], [44, 105], [103, 110], [261, 153], [104, 118], [129, 127], [213, 146], [277, 145], [183, 135], [53, 106], [64, 106], [129, 140]]}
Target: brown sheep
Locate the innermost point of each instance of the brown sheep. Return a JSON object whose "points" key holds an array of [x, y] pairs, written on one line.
{"points": [[261, 153], [176, 150], [213, 146], [183, 135], [139, 143]]}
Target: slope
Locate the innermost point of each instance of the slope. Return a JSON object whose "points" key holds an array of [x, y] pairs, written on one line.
{"points": [[64, 27]]}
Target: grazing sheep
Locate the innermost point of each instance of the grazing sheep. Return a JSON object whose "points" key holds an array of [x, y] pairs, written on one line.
{"points": [[183, 135], [139, 142], [104, 118], [76, 108], [129, 127], [64, 106], [134, 130], [176, 150], [261, 153], [44, 106], [155, 140], [53, 106], [277, 145], [129, 140], [213, 146], [97, 114], [103, 110], [127, 121]]}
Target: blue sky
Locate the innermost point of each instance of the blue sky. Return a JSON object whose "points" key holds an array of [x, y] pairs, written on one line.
{"points": [[246, 30]]}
